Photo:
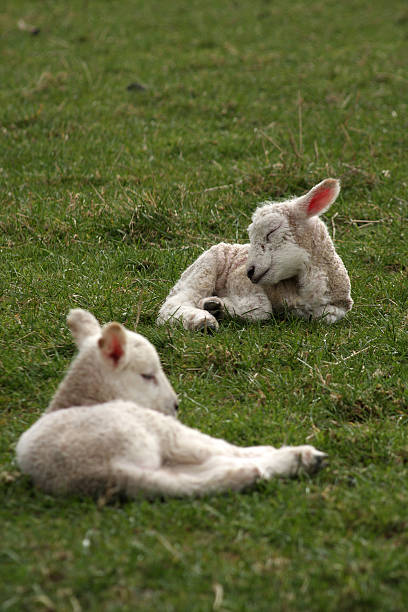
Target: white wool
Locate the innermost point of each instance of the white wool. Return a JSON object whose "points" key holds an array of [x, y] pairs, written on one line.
{"points": [[289, 264], [110, 428]]}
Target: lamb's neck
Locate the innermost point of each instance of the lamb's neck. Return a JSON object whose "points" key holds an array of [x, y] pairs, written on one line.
{"points": [[284, 293], [81, 387]]}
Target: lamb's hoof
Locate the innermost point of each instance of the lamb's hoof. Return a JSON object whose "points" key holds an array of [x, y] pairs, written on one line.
{"points": [[312, 460], [201, 320], [206, 327], [214, 306]]}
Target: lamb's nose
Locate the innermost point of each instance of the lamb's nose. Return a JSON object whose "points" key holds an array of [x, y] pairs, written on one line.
{"points": [[176, 406], [250, 272]]}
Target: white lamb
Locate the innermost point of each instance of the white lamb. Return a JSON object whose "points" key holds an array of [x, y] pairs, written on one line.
{"points": [[111, 428], [290, 264]]}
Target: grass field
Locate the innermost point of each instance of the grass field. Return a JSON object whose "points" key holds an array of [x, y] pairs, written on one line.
{"points": [[134, 135]]}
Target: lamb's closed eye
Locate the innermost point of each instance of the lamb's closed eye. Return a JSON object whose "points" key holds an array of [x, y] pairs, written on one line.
{"points": [[150, 377], [272, 231]]}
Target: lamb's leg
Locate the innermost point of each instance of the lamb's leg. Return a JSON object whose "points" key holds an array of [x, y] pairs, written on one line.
{"points": [[190, 446], [194, 463], [181, 307], [290, 460], [181, 480], [248, 307], [329, 313], [185, 301], [316, 301], [214, 305], [216, 474], [185, 445], [284, 461]]}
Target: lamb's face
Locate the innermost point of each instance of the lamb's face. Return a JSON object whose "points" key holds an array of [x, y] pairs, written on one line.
{"points": [[273, 253], [140, 377], [115, 363]]}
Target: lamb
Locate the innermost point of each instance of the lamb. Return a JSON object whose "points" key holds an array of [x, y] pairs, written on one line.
{"points": [[290, 265], [111, 428]]}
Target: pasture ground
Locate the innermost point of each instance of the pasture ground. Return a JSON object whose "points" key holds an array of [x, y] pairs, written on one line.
{"points": [[134, 135]]}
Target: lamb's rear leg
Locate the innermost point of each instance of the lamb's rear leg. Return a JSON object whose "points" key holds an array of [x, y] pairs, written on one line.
{"points": [[327, 313], [192, 447], [290, 460], [330, 313], [213, 476]]}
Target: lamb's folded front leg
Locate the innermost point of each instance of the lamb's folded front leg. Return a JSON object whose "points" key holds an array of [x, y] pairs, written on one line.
{"points": [[181, 307], [214, 283], [186, 301]]}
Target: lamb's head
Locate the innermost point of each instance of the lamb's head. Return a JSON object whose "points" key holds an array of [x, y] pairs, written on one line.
{"points": [[281, 232], [113, 363]]}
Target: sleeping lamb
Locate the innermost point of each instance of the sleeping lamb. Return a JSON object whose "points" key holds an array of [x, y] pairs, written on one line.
{"points": [[111, 428], [290, 264]]}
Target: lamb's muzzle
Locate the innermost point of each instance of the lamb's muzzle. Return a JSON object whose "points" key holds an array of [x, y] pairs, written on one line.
{"points": [[256, 279]]}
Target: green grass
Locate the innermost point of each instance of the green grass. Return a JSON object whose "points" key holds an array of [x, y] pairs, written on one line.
{"points": [[108, 193]]}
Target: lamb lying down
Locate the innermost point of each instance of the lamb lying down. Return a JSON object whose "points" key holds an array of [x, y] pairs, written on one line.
{"points": [[290, 264], [111, 428]]}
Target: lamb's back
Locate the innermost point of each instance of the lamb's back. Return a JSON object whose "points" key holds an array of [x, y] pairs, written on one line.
{"points": [[68, 445]]}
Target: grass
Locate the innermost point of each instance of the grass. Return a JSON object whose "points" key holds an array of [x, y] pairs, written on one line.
{"points": [[108, 192]]}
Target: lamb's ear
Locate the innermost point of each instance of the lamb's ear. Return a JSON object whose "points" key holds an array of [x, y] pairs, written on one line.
{"points": [[318, 199], [82, 324], [112, 343]]}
